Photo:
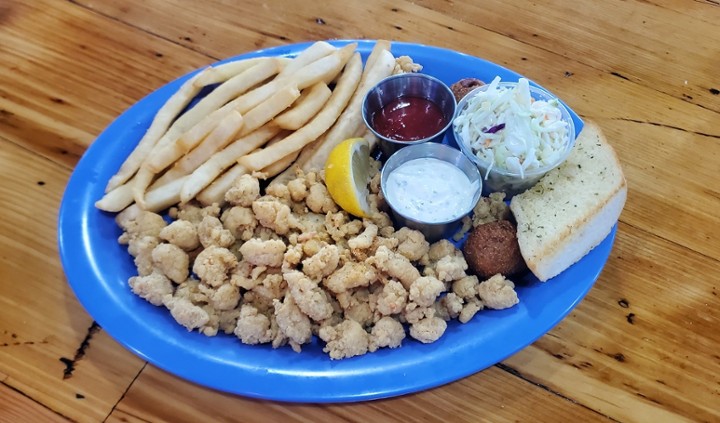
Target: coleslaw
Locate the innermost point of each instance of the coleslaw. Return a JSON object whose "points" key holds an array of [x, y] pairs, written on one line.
{"points": [[508, 129]]}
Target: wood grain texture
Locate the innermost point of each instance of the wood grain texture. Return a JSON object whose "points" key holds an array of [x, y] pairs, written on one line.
{"points": [[15, 407], [71, 72], [634, 340], [642, 345], [44, 332], [646, 44], [468, 400]]}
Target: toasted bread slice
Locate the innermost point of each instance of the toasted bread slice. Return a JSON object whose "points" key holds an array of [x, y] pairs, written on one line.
{"points": [[573, 208]]}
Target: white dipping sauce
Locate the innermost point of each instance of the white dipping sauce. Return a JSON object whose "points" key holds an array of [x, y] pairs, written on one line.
{"points": [[430, 190]]}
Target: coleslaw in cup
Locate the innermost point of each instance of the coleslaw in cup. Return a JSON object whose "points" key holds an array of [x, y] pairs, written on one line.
{"points": [[514, 132]]}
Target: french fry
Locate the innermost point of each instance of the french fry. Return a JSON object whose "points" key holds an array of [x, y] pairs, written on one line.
{"points": [[215, 193], [378, 48], [267, 110], [280, 165], [304, 155], [319, 70], [165, 178], [254, 119], [222, 134], [168, 176], [340, 97], [116, 199], [308, 105], [156, 200], [215, 165], [326, 67], [316, 51], [220, 73], [173, 152], [243, 82], [201, 131], [143, 178], [216, 140], [208, 111], [165, 196], [190, 139], [192, 158], [160, 124], [306, 76], [229, 90], [165, 156], [350, 123], [145, 175], [313, 156]]}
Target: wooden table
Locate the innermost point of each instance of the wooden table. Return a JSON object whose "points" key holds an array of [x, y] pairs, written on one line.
{"points": [[642, 346]]}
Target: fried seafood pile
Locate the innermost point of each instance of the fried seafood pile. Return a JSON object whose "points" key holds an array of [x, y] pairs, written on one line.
{"points": [[281, 264]]}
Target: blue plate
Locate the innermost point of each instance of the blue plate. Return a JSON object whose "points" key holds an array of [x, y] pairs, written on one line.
{"points": [[98, 268]]}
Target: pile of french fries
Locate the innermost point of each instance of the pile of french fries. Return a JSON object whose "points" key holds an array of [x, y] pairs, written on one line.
{"points": [[266, 115]]}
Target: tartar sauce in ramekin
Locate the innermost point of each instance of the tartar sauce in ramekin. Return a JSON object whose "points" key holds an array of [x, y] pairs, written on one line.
{"points": [[430, 190]]}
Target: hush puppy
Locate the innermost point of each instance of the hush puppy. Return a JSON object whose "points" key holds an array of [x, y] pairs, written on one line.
{"points": [[464, 86], [492, 248]]}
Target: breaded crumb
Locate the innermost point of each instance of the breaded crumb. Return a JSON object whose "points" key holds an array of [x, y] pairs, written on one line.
{"points": [[498, 293]]}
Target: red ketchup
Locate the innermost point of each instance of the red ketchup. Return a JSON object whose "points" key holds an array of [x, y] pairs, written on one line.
{"points": [[409, 119]]}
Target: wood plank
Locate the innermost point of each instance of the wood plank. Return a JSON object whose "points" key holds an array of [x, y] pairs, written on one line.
{"points": [[665, 194], [15, 407], [669, 51], [69, 72], [701, 10], [42, 326], [648, 60], [643, 345], [223, 29], [468, 400]]}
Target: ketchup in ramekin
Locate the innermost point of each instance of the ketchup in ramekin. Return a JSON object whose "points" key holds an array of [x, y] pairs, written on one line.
{"points": [[409, 119], [408, 109]]}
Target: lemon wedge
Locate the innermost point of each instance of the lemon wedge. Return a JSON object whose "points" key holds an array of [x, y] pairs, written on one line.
{"points": [[347, 173]]}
